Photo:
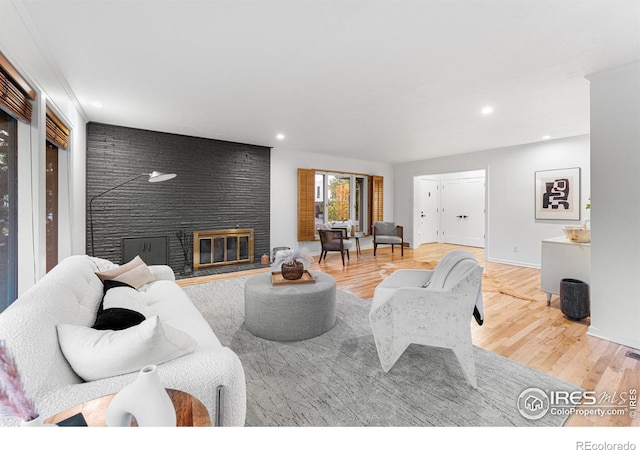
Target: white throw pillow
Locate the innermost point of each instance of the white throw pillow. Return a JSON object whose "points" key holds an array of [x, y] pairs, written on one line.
{"points": [[127, 298], [113, 272], [96, 354], [135, 273], [103, 264]]}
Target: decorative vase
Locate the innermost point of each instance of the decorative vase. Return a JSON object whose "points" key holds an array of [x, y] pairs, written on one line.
{"points": [[292, 270], [145, 399], [37, 422]]}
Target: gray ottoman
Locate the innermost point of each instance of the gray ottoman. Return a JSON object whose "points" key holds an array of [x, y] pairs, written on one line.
{"points": [[290, 312]]}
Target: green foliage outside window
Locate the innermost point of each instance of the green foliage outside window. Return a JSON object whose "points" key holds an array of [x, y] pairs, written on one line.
{"points": [[338, 204]]}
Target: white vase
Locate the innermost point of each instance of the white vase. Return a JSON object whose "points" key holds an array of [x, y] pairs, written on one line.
{"points": [[145, 399], [37, 422]]}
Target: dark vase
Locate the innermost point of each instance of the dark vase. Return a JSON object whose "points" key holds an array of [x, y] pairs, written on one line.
{"points": [[292, 270]]}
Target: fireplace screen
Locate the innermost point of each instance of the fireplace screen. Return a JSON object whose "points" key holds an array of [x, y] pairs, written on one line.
{"points": [[217, 247]]}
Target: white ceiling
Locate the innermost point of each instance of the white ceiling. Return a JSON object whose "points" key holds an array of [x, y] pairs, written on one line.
{"points": [[388, 81]]}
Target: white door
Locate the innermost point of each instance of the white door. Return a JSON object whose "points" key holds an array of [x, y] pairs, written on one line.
{"points": [[463, 211], [428, 211]]}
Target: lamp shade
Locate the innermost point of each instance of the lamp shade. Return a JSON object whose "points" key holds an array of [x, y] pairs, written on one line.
{"points": [[157, 177]]}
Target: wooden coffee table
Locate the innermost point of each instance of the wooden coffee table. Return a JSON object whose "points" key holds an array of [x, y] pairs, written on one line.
{"points": [[190, 412]]}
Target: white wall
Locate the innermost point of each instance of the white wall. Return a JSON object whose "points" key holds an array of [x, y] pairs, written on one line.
{"points": [[284, 190], [29, 56], [510, 174], [615, 247]]}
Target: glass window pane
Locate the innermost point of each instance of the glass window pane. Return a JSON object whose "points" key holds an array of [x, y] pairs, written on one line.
{"points": [[319, 200], [232, 248], [205, 251], [218, 250], [51, 216], [244, 247], [360, 202], [339, 201], [8, 210]]}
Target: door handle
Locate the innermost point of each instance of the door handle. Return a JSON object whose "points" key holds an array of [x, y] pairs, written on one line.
{"points": [[464, 217], [459, 217]]}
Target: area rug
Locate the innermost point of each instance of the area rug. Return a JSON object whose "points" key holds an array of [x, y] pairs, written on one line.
{"points": [[336, 380]]}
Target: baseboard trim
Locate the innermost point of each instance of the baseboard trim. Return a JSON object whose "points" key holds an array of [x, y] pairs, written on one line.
{"points": [[512, 263], [596, 333]]}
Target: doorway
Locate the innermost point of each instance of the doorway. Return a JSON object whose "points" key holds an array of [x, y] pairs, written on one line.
{"points": [[428, 218], [463, 211], [450, 208]]}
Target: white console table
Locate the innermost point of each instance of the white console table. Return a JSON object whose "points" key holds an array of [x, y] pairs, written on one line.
{"points": [[562, 258]]}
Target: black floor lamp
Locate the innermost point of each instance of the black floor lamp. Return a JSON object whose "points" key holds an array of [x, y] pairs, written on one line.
{"points": [[154, 177]]}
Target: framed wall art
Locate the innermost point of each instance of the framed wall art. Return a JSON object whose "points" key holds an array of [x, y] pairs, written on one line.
{"points": [[558, 194]]}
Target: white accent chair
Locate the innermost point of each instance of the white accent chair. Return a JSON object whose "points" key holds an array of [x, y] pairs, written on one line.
{"points": [[429, 307], [388, 233]]}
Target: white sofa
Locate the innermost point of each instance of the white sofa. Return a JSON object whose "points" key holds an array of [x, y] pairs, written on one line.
{"points": [[71, 294]]}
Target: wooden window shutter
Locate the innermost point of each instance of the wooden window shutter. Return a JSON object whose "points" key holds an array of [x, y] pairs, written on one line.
{"points": [[306, 205], [15, 92], [376, 200], [57, 132]]}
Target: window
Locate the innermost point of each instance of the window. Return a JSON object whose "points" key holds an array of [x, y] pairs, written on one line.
{"points": [[340, 199], [8, 210], [57, 139], [15, 104], [51, 205], [325, 196]]}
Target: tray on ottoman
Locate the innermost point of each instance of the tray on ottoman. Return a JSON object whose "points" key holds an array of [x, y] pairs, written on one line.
{"points": [[277, 278]]}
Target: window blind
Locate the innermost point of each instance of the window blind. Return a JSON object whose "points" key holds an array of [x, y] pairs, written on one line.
{"points": [[15, 92], [376, 200], [306, 205], [57, 132]]}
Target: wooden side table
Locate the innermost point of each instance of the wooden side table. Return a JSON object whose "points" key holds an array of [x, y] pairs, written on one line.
{"points": [[357, 237], [190, 412]]}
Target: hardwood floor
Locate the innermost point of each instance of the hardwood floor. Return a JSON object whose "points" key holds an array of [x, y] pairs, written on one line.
{"points": [[518, 323]]}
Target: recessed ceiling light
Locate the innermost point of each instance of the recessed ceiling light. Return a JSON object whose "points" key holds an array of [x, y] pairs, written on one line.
{"points": [[280, 136], [546, 136], [487, 110], [96, 104]]}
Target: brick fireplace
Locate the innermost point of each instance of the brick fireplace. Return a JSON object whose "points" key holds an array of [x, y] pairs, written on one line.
{"points": [[220, 186]]}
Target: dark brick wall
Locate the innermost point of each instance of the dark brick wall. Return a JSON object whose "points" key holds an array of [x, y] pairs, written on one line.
{"points": [[219, 185]]}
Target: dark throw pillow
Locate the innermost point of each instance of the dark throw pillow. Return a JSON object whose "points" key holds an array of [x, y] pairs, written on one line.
{"points": [[117, 319]]}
